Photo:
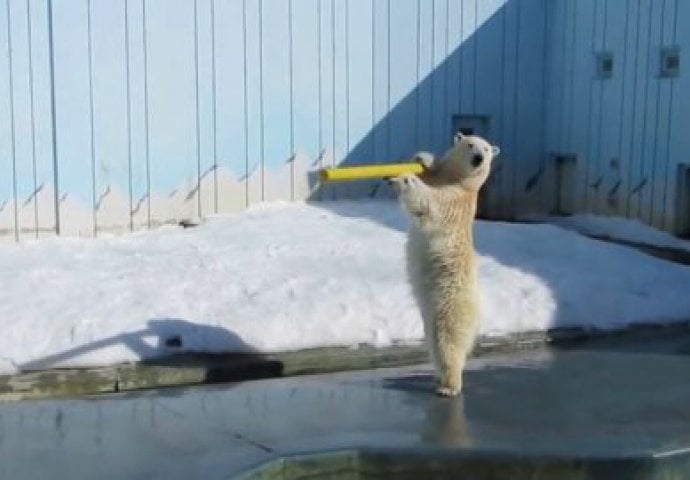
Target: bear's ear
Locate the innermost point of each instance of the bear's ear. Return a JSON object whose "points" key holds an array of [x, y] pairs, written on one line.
{"points": [[458, 137], [495, 150]]}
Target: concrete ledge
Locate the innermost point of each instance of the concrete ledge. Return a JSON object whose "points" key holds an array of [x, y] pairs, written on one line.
{"points": [[414, 464], [676, 255], [195, 369]]}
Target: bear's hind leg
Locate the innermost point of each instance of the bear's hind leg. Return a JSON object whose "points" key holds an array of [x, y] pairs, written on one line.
{"points": [[454, 341], [449, 371]]}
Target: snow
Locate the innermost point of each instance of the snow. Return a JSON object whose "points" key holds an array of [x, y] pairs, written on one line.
{"points": [[288, 276], [619, 228]]}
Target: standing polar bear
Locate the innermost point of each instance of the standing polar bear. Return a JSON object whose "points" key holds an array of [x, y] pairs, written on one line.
{"points": [[441, 262]]}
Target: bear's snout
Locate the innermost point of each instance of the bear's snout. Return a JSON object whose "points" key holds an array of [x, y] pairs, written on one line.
{"points": [[477, 160]]}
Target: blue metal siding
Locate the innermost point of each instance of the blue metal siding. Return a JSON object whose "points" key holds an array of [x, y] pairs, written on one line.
{"points": [[625, 130], [172, 109], [180, 108]]}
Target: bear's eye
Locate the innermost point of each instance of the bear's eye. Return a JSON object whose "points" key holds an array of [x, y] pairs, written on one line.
{"points": [[470, 146], [486, 149]]}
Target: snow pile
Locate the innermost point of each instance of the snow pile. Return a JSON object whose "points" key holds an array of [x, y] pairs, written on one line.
{"points": [[290, 276], [619, 228]]}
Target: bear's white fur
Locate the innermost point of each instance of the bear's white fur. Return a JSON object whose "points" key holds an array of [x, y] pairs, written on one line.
{"points": [[441, 261]]}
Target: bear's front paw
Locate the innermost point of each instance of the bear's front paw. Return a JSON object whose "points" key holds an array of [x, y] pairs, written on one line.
{"points": [[425, 158], [405, 182], [412, 194]]}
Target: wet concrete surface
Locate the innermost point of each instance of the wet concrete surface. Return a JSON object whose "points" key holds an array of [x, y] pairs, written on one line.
{"points": [[602, 409]]}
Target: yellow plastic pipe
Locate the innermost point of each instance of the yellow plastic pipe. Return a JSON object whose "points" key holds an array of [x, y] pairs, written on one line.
{"points": [[360, 172]]}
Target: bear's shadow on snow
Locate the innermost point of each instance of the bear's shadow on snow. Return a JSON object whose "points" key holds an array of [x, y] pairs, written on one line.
{"points": [[178, 343]]}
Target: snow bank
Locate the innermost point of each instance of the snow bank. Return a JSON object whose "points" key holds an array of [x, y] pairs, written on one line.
{"points": [[290, 276], [619, 228]]}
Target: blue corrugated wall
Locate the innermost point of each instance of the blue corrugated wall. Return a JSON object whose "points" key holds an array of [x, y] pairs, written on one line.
{"points": [[626, 130], [180, 108], [174, 109]]}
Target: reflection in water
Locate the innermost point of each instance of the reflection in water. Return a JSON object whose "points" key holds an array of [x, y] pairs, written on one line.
{"points": [[98, 431], [152, 414], [444, 422], [59, 426], [134, 412], [202, 399]]}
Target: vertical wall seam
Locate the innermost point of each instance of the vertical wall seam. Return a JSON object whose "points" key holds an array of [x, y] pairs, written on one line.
{"points": [[544, 80], [446, 68], [460, 54], [503, 72], [646, 102], [246, 106], [13, 148], [292, 104], [92, 142], [475, 52], [373, 81], [670, 124], [623, 88], [600, 161], [333, 84], [53, 120], [261, 101], [516, 109], [147, 142], [561, 116], [656, 123], [628, 197], [388, 78], [32, 115], [417, 97], [502, 176], [214, 106], [129, 117], [347, 77], [432, 62], [624, 77], [592, 82], [320, 102], [197, 118], [568, 144]]}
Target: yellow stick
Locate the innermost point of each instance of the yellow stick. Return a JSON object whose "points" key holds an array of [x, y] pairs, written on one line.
{"points": [[386, 170]]}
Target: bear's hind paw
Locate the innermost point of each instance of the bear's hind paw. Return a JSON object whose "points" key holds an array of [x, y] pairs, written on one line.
{"points": [[447, 391]]}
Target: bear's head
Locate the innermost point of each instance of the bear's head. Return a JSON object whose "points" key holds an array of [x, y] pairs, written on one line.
{"points": [[468, 162]]}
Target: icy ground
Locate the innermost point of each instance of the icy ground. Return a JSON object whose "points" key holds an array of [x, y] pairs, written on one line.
{"points": [[290, 276]]}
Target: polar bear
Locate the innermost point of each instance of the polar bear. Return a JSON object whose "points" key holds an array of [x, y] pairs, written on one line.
{"points": [[441, 262]]}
